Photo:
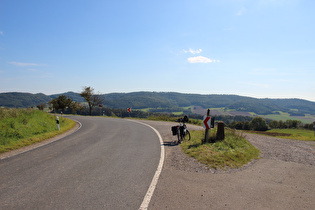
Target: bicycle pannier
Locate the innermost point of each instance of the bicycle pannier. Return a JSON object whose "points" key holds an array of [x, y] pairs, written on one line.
{"points": [[174, 130]]}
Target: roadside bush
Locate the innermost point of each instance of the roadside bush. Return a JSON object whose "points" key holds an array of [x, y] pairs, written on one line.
{"points": [[258, 124]]}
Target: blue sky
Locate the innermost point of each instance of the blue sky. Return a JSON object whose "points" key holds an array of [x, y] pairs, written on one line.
{"points": [[257, 48]]}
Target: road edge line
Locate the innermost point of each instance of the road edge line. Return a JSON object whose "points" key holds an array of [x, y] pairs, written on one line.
{"points": [[147, 198]]}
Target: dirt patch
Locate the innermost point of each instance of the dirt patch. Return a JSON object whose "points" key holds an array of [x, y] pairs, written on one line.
{"points": [[236, 113], [202, 111], [199, 110], [271, 133]]}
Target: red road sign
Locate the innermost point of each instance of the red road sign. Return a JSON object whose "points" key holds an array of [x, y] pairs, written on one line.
{"points": [[129, 110], [206, 122]]}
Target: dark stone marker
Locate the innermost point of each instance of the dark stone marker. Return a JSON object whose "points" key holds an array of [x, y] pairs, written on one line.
{"points": [[220, 131]]}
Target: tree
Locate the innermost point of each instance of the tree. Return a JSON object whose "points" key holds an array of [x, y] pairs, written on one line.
{"points": [[91, 98], [258, 124], [76, 106], [62, 102], [274, 124], [41, 106]]}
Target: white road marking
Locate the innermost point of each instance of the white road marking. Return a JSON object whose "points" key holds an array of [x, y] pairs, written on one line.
{"points": [[148, 196]]}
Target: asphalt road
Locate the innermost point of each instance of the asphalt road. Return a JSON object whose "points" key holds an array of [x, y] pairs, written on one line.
{"points": [[107, 164]]}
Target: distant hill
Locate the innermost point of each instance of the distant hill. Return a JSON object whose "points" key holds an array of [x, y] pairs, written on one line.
{"points": [[172, 100], [22, 100], [73, 95]]}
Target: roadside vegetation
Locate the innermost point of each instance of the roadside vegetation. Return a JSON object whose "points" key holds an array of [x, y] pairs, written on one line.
{"points": [[22, 127], [232, 152], [289, 129]]}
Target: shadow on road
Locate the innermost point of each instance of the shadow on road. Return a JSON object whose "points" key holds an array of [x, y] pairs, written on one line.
{"points": [[170, 143]]}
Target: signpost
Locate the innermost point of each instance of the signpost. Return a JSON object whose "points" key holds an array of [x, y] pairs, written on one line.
{"points": [[206, 125], [129, 110], [100, 106], [206, 122], [57, 120]]}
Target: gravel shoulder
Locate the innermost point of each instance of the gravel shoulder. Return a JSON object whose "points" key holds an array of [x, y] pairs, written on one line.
{"points": [[283, 178]]}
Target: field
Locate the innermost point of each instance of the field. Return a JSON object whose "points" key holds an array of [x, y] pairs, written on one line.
{"points": [[277, 115], [22, 127], [296, 134]]}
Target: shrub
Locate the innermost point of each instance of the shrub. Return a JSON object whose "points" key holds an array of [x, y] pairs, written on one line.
{"points": [[258, 124]]}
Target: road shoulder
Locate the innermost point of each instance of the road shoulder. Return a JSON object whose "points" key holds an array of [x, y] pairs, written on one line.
{"points": [[281, 179]]}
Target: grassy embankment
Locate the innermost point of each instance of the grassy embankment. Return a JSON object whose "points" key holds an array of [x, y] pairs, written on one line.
{"points": [[233, 152], [22, 127]]}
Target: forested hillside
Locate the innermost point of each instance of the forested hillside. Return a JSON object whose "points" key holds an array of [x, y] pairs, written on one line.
{"points": [[172, 101], [22, 100]]}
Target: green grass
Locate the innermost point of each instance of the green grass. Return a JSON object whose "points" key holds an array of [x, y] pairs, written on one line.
{"points": [[297, 134], [22, 127], [282, 116], [177, 113], [233, 152]]}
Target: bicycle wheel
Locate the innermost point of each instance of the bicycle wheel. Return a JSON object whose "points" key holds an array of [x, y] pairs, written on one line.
{"points": [[187, 135]]}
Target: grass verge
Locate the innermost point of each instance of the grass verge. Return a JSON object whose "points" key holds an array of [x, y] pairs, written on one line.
{"points": [[22, 127], [233, 152]]}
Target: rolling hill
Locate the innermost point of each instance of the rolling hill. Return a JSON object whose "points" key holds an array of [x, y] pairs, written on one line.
{"points": [[173, 100]]}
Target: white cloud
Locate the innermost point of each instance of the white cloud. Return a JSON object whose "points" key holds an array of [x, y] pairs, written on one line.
{"points": [[1, 32], [23, 64], [241, 11], [201, 59], [193, 51]]}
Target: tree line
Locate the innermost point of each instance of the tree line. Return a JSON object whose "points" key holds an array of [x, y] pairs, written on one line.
{"points": [[260, 124], [66, 103], [94, 101]]}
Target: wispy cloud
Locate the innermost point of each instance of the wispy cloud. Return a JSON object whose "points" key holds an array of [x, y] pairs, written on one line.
{"points": [[201, 59], [241, 11], [193, 51], [1, 32], [24, 64]]}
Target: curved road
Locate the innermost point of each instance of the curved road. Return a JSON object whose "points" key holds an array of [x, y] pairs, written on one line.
{"points": [[107, 164]]}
